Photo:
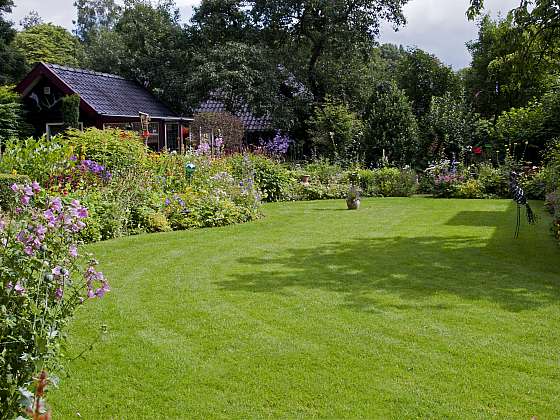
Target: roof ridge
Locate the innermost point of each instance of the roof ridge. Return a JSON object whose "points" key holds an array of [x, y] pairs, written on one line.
{"points": [[83, 71]]}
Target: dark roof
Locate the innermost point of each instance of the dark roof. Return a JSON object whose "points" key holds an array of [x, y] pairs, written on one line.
{"points": [[108, 94], [249, 120]]}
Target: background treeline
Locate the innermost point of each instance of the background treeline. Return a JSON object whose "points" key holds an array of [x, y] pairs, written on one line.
{"points": [[317, 70]]}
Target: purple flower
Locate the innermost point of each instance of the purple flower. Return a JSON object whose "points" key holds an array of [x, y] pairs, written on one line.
{"points": [[57, 271], [2, 224], [58, 293], [27, 190], [75, 203], [28, 250], [73, 251], [24, 200], [20, 290], [82, 213], [15, 188], [56, 204], [40, 230]]}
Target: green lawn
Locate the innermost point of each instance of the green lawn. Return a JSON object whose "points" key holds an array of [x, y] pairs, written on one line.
{"points": [[407, 308]]}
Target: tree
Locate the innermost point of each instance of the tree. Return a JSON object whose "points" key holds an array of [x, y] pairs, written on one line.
{"points": [[501, 76], [309, 33], [336, 132], [146, 44], [11, 62], [391, 129], [539, 18], [423, 76], [49, 43], [94, 16], [451, 127]]}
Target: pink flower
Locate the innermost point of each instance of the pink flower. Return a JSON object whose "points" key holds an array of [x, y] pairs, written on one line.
{"points": [[15, 188]]}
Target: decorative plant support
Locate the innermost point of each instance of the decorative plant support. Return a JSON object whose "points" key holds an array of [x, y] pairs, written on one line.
{"points": [[145, 126], [353, 199]]}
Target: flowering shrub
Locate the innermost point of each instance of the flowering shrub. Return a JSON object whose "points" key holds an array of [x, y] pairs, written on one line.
{"points": [[278, 146], [83, 175], [445, 185], [42, 281]]}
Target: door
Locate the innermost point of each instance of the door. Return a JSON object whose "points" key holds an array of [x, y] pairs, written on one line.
{"points": [[172, 137]]}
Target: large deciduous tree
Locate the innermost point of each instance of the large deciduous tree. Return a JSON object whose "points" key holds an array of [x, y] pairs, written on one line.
{"points": [[11, 62], [95, 16], [49, 43], [423, 76], [507, 69]]}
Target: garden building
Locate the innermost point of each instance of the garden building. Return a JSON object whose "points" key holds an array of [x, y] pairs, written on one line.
{"points": [[106, 101]]}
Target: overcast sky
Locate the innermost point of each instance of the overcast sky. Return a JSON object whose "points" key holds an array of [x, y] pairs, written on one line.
{"points": [[437, 26]]}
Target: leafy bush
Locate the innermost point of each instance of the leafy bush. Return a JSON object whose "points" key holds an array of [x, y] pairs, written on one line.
{"points": [[495, 181], [271, 178], [336, 132], [42, 282], [471, 188], [37, 158], [394, 182], [319, 191], [114, 149], [323, 171]]}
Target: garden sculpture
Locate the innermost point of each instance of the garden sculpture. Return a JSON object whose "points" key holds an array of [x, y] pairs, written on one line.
{"points": [[521, 199]]}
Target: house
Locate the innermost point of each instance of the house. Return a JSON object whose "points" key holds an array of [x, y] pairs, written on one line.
{"points": [[106, 101]]}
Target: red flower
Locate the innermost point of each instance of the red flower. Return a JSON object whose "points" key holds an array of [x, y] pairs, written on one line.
{"points": [[477, 150]]}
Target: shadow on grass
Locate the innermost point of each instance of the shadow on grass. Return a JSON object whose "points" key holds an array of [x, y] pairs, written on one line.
{"points": [[499, 270]]}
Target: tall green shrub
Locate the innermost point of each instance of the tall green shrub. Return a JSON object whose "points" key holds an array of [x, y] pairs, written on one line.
{"points": [[391, 127], [10, 114], [70, 108], [336, 132]]}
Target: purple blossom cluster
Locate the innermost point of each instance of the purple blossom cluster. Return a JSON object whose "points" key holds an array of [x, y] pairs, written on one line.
{"points": [[96, 283], [42, 230], [91, 166], [202, 149], [278, 145], [176, 199]]}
